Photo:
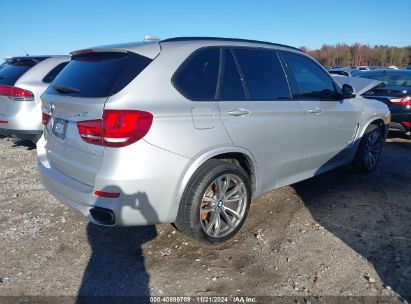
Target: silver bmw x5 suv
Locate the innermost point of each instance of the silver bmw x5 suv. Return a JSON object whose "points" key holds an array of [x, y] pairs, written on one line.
{"points": [[189, 130]]}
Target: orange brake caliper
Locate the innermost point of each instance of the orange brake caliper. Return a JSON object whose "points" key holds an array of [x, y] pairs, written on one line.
{"points": [[206, 215]]}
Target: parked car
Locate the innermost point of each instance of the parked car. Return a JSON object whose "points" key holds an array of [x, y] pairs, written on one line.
{"points": [[189, 130], [407, 67], [395, 93], [340, 71], [22, 81], [363, 68], [349, 72]]}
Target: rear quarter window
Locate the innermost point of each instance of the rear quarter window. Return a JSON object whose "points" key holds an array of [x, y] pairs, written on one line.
{"points": [[98, 74], [54, 72], [196, 79]]}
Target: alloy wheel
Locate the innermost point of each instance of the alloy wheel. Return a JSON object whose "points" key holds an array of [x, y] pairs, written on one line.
{"points": [[372, 149], [223, 205]]}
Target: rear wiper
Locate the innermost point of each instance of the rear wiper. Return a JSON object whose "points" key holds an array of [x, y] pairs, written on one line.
{"points": [[62, 89], [2, 77]]}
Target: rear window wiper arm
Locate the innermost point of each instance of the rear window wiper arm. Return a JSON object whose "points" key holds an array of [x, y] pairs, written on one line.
{"points": [[63, 89]]}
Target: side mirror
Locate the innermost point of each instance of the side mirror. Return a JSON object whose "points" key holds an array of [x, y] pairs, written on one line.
{"points": [[347, 91]]}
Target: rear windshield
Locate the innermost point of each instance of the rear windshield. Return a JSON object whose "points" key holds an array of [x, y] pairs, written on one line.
{"points": [[98, 74], [391, 80], [11, 71]]}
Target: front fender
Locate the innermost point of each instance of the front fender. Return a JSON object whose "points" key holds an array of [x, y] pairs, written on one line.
{"points": [[374, 110]]}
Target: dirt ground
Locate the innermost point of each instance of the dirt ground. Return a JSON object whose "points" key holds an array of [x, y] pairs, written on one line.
{"points": [[338, 234]]}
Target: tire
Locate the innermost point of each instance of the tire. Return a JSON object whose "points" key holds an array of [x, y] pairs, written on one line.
{"points": [[369, 150], [223, 211]]}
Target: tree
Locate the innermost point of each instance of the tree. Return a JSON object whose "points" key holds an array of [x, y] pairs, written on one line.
{"points": [[360, 54]]}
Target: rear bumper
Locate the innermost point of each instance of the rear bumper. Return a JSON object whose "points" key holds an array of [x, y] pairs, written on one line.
{"points": [[22, 134], [21, 119], [147, 189], [398, 127], [400, 122]]}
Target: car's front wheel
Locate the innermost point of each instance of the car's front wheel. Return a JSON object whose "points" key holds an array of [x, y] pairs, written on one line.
{"points": [[216, 202], [369, 150]]}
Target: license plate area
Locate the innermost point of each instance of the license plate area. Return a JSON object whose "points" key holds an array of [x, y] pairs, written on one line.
{"points": [[59, 128]]}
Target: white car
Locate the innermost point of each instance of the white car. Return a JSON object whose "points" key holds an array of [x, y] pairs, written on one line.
{"points": [[22, 81]]}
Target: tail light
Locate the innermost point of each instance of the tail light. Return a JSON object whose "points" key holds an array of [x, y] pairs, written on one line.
{"points": [[45, 118], [91, 131], [406, 124], [16, 93], [405, 101], [118, 128]]}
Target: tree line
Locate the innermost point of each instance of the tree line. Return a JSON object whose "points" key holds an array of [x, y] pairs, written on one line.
{"points": [[358, 54]]}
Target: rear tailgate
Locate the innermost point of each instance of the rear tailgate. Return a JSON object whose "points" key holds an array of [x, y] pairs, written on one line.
{"points": [[67, 152], [10, 71], [79, 93]]}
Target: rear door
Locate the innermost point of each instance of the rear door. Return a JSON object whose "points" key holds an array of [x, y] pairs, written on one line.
{"points": [[259, 113], [79, 93], [332, 121]]}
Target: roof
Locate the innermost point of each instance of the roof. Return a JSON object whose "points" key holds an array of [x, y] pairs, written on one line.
{"points": [[151, 48], [180, 39]]}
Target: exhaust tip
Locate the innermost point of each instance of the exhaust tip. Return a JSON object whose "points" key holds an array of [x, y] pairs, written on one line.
{"points": [[103, 216]]}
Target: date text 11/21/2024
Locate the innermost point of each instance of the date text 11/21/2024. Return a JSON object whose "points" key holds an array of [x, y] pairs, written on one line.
{"points": [[203, 299]]}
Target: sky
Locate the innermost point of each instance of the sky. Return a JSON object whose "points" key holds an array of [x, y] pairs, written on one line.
{"points": [[46, 27]]}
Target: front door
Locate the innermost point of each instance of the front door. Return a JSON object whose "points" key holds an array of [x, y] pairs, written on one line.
{"points": [[332, 121]]}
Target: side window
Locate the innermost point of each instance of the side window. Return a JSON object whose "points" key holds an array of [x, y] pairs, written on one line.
{"points": [[263, 74], [54, 72], [197, 77], [312, 82], [232, 86]]}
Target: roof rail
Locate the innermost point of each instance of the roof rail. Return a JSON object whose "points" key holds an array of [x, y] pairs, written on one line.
{"points": [[176, 39]]}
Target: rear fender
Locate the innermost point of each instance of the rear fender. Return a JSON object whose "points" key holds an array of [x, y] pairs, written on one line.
{"points": [[201, 159]]}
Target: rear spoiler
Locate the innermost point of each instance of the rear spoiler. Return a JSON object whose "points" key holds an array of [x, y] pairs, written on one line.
{"points": [[147, 49], [98, 50]]}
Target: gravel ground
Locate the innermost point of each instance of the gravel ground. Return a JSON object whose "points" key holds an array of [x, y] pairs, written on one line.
{"points": [[338, 234]]}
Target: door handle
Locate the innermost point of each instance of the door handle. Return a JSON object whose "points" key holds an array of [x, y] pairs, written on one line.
{"points": [[315, 111], [238, 112]]}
